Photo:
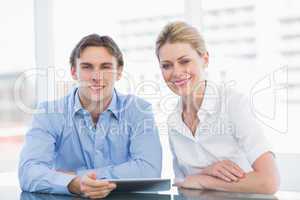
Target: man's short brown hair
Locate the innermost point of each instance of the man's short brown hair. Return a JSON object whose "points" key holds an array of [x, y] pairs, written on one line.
{"points": [[95, 40]]}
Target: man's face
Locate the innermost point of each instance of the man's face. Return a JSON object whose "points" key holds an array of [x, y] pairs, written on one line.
{"points": [[97, 71]]}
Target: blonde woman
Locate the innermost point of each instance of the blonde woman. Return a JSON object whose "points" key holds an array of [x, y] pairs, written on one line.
{"points": [[215, 140]]}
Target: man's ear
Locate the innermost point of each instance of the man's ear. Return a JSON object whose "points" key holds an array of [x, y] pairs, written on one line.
{"points": [[119, 72], [74, 73]]}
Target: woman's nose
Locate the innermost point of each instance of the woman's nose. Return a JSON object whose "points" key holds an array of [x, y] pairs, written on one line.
{"points": [[178, 69]]}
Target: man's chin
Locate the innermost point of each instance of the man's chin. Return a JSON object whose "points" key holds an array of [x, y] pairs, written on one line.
{"points": [[95, 95], [97, 98]]}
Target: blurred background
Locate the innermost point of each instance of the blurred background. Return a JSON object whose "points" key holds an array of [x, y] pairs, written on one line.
{"points": [[254, 47]]}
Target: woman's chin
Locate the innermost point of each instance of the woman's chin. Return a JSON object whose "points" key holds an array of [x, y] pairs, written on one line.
{"points": [[182, 91]]}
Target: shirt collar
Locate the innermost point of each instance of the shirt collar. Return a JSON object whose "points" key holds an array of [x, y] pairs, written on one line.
{"points": [[77, 104], [210, 101], [209, 107], [113, 106]]}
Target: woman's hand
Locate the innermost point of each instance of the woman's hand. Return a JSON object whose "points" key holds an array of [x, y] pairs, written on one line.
{"points": [[225, 170], [191, 182]]}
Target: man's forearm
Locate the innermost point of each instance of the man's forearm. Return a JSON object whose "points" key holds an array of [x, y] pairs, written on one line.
{"points": [[47, 179], [130, 169]]}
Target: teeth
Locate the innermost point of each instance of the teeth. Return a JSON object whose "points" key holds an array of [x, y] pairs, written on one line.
{"points": [[181, 82], [96, 87]]}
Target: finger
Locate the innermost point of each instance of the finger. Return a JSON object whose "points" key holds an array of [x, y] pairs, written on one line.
{"points": [[233, 168], [99, 194], [178, 184], [236, 167], [228, 174], [92, 175], [110, 186], [221, 176], [86, 189], [98, 197], [94, 189], [233, 171], [94, 183]]}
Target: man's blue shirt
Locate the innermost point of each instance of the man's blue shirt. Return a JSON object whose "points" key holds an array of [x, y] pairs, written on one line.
{"points": [[124, 143]]}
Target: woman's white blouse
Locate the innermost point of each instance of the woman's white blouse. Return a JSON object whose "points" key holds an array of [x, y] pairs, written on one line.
{"points": [[228, 130]]}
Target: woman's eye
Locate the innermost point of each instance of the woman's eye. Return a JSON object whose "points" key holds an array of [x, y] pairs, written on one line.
{"points": [[185, 62]]}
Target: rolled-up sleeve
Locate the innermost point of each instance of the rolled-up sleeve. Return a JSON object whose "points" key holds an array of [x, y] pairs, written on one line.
{"points": [[249, 132], [36, 165]]}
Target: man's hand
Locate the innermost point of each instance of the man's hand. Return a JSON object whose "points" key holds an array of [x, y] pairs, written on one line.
{"points": [[89, 187], [74, 186], [225, 170], [93, 188]]}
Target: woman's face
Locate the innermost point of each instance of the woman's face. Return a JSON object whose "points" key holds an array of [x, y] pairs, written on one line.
{"points": [[182, 67]]}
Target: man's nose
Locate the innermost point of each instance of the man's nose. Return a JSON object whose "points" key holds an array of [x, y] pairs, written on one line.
{"points": [[97, 75]]}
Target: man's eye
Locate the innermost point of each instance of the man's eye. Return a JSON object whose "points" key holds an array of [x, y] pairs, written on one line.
{"points": [[165, 66]]}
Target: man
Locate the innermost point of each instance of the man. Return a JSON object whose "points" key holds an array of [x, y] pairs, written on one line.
{"points": [[92, 134]]}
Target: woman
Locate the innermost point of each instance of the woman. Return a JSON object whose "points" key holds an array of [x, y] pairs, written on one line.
{"points": [[215, 141]]}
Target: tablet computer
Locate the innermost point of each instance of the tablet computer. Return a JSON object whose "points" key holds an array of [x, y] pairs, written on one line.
{"points": [[141, 185]]}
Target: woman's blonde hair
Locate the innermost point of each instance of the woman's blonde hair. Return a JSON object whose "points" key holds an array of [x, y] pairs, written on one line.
{"points": [[179, 31]]}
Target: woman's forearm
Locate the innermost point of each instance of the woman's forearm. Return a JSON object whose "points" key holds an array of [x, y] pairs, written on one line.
{"points": [[253, 182]]}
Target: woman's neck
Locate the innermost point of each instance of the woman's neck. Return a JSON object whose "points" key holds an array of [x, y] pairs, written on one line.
{"points": [[192, 103]]}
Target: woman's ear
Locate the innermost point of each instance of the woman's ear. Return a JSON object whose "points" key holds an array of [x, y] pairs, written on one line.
{"points": [[74, 73], [205, 57]]}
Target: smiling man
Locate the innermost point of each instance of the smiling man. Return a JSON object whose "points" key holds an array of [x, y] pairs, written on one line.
{"points": [[92, 134]]}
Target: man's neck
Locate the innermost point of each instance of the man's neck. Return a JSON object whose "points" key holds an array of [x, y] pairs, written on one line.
{"points": [[95, 108]]}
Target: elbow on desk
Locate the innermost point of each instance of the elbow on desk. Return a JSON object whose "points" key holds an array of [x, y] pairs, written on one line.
{"points": [[150, 171], [25, 182], [156, 173], [271, 185], [29, 184]]}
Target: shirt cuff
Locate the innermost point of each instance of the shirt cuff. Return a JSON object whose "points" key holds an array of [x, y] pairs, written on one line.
{"points": [[63, 184]]}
